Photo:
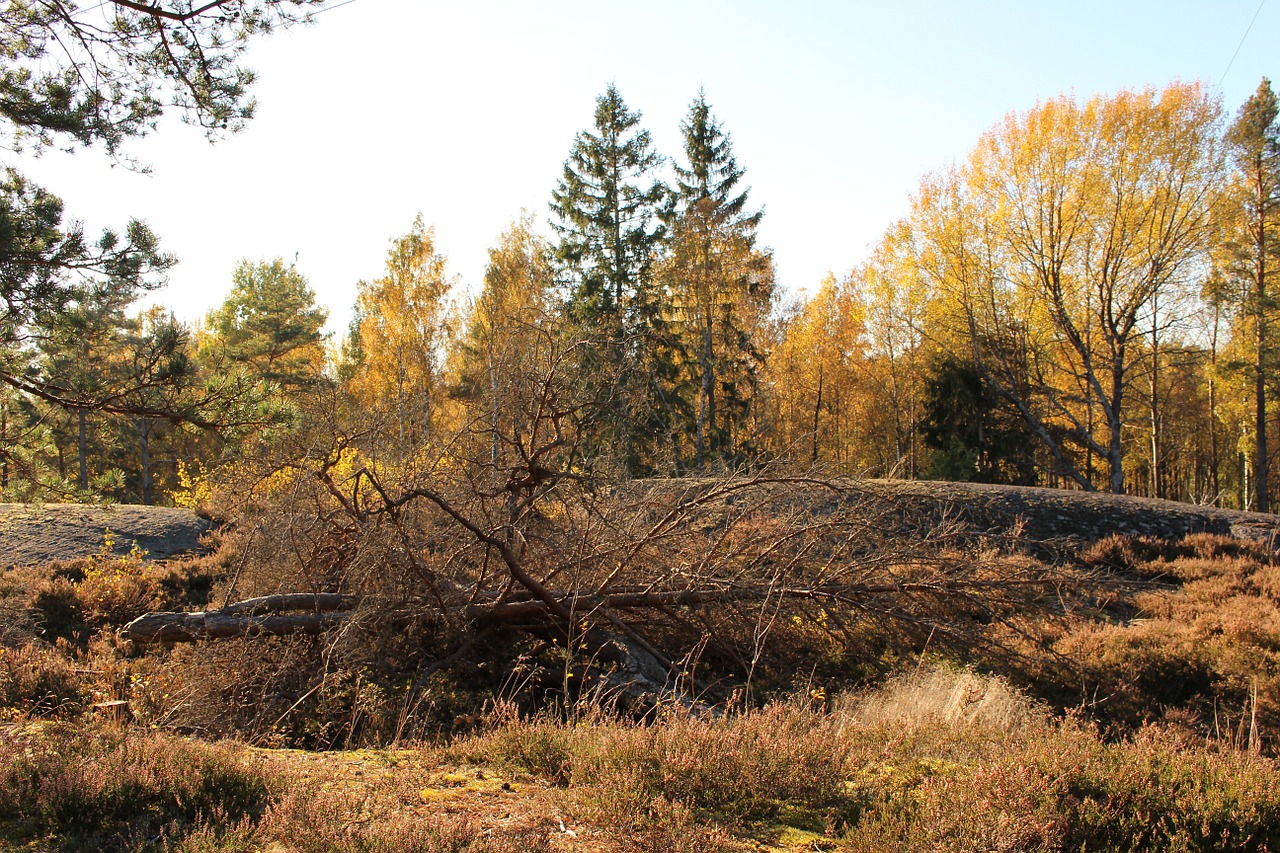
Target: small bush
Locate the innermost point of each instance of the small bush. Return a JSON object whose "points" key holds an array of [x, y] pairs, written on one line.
{"points": [[956, 697], [1127, 553], [742, 768], [59, 610], [39, 680], [541, 747], [745, 767], [241, 688], [72, 601], [111, 789], [1065, 790]]}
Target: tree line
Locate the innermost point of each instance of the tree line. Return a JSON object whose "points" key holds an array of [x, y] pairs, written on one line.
{"points": [[1082, 301]]}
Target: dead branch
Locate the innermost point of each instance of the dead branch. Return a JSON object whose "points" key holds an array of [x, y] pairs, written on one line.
{"points": [[255, 617]]}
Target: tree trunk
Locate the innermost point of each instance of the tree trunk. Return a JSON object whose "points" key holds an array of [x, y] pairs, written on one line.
{"points": [[1260, 460], [81, 443], [1262, 463], [255, 617], [817, 408], [707, 406], [1115, 449], [1157, 480], [4, 435], [1213, 412], [144, 448]]}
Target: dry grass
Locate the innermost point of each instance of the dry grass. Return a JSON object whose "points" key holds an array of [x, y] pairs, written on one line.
{"points": [[926, 698], [1066, 790], [38, 680], [1203, 647], [1172, 648], [937, 760], [107, 788]]}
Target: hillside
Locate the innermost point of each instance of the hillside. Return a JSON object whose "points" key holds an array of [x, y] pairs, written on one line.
{"points": [[1080, 517]]}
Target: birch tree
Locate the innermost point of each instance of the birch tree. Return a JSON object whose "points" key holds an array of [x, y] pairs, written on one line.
{"points": [[1057, 237]]}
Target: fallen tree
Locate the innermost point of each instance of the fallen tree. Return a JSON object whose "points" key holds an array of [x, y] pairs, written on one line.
{"points": [[255, 617], [636, 591], [630, 585]]}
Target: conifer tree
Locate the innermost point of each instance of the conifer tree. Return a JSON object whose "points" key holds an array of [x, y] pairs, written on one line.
{"points": [[608, 209], [722, 286], [1252, 246], [270, 325], [144, 436], [83, 353]]}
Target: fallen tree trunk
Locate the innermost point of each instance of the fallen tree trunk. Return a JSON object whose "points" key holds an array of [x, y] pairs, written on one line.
{"points": [[255, 617], [639, 683], [284, 602], [269, 615]]}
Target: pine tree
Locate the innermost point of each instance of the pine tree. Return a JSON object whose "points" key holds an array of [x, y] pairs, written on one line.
{"points": [[156, 336], [83, 353], [722, 286], [1254, 142], [270, 325], [608, 210]]}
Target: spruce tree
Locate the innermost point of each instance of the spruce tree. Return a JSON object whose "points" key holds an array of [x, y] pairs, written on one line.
{"points": [[606, 208], [712, 174], [722, 288], [609, 208]]}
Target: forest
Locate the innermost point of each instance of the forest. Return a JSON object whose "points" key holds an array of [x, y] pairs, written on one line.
{"points": [[1081, 302]]}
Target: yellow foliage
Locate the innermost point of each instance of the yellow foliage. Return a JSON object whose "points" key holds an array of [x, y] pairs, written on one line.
{"points": [[402, 326], [194, 488]]}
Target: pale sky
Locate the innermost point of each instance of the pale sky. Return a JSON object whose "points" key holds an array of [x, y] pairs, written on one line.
{"points": [[465, 112]]}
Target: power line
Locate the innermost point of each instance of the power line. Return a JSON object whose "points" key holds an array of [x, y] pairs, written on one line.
{"points": [[349, 2], [80, 12], [1247, 29]]}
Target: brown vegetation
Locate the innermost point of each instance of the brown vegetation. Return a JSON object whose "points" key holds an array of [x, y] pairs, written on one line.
{"points": [[1136, 708]]}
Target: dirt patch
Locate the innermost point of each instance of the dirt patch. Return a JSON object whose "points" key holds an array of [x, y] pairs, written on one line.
{"points": [[32, 534]]}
